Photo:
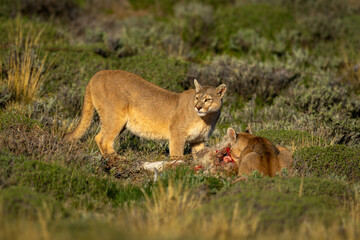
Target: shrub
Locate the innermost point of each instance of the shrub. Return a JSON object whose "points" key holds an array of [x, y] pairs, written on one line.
{"points": [[343, 131], [242, 78], [8, 8], [351, 70], [68, 9], [5, 97], [332, 107], [264, 19], [338, 160], [26, 136], [67, 183], [22, 202], [288, 137], [277, 202], [323, 26], [157, 67], [158, 6], [322, 19], [196, 23], [135, 34], [324, 98], [248, 40]]}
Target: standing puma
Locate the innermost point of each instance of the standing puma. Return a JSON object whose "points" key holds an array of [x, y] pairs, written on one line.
{"points": [[124, 100], [257, 153]]}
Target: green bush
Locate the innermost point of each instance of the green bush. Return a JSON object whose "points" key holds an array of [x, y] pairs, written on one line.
{"points": [[196, 22], [322, 19], [248, 40], [155, 66], [158, 6], [337, 160], [264, 19], [76, 186], [26, 136], [287, 137], [19, 201], [324, 98], [242, 78], [8, 118], [68, 9], [281, 203], [332, 107], [134, 35]]}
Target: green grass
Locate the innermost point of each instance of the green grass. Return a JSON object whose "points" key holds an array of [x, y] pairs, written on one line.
{"points": [[26, 202], [81, 189], [289, 138], [9, 119], [282, 203], [337, 160]]}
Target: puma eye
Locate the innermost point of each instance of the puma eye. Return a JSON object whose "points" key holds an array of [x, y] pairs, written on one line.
{"points": [[196, 98], [207, 100]]}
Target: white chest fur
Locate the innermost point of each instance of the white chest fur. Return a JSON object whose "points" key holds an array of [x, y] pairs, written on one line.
{"points": [[198, 132]]}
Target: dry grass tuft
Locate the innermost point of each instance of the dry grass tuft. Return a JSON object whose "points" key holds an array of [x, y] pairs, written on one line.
{"points": [[25, 69], [167, 211], [175, 212]]}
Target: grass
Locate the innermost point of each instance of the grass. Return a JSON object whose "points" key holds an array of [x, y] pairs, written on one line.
{"points": [[292, 139], [247, 210], [64, 190], [282, 74], [337, 160], [25, 69]]}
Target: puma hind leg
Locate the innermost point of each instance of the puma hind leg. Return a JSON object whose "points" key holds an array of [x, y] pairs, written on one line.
{"points": [[250, 163], [111, 127]]}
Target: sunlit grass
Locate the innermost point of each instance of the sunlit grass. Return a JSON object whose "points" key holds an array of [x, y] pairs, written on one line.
{"points": [[174, 212], [26, 69]]}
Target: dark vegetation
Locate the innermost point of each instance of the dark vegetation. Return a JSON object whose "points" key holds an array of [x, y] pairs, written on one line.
{"points": [[292, 68]]}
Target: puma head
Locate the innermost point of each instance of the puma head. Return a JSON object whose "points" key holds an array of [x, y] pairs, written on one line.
{"points": [[208, 99], [238, 142]]}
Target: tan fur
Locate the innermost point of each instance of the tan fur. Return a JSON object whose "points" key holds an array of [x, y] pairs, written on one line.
{"points": [[257, 153], [126, 101]]}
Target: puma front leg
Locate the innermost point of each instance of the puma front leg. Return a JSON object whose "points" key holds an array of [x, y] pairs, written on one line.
{"points": [[176, 146]]}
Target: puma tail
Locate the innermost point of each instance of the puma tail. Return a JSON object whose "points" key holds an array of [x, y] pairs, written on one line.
{"points": [[86, 118]]}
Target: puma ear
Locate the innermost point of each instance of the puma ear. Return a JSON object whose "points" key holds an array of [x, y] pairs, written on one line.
{"points": [[231, 134], [220, 90], [248, 129], [198, 87]]}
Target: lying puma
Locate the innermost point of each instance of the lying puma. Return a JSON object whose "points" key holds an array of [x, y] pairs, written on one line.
{"points": [[124, 100], [257, 153]]}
